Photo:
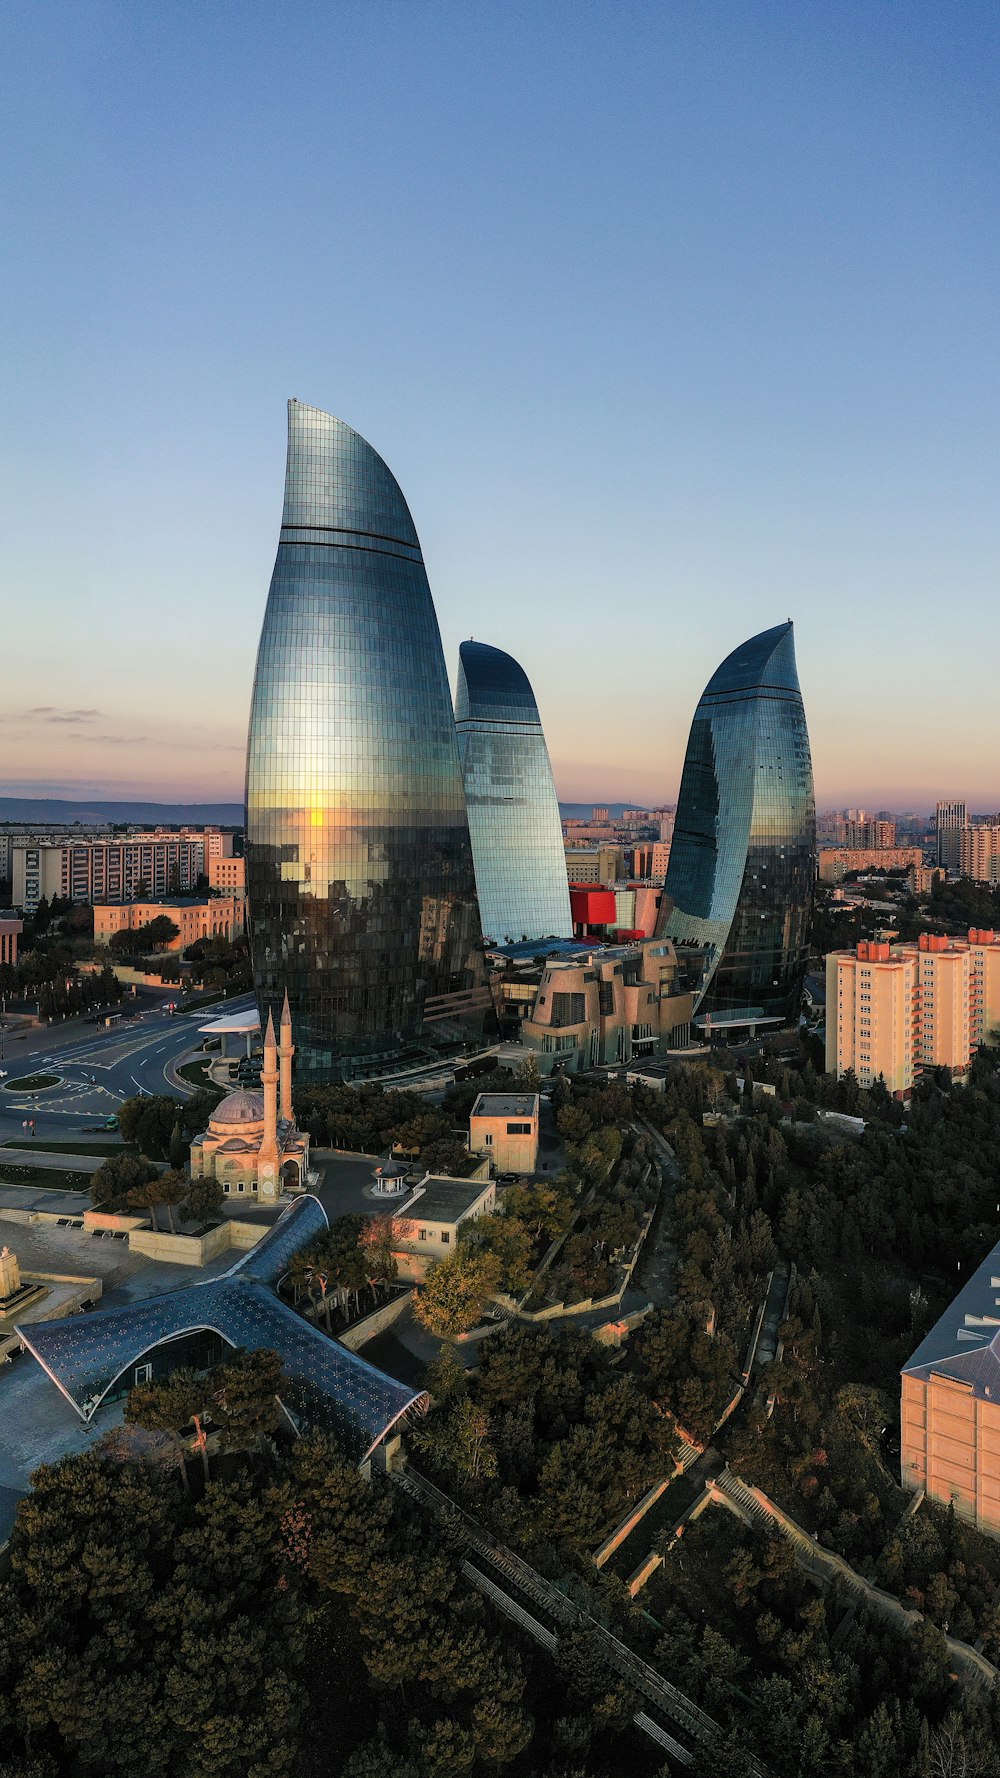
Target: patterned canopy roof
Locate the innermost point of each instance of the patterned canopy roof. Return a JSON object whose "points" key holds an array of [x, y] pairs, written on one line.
{"points": [[330, 1389]]}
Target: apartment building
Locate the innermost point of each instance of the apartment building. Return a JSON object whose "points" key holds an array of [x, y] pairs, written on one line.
{"points": [[594, 864], [950, 819], [895, 1010], [836, 861], [227, 874], [979, 852], [112, 869], [218, 916]]}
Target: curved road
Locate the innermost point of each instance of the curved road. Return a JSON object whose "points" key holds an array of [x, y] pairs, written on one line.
{"points": [[97, 1067]]}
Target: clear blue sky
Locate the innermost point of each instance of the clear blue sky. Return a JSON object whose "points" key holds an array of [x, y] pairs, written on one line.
{"points": [[673, 320]]}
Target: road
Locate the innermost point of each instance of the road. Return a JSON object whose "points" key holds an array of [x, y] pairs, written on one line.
{"points": [[96, 1068]]}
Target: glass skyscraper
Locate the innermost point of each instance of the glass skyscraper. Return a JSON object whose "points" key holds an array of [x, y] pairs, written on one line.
{"points": [[360, 884], [517, 842], [742, 860]]}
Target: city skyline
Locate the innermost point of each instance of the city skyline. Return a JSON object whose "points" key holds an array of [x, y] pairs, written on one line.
{"points": [[767, 365]]}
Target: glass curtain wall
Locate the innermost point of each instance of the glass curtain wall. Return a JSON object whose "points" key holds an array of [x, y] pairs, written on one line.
{"points": [[743, 858], [360, 883], [517, 842]]}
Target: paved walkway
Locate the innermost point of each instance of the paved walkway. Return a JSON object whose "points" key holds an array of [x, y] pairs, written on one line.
{"points": [[41, 1157]]}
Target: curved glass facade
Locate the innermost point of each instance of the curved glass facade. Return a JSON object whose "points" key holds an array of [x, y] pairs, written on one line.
{"points": [[360, 882], [742, 861], [517, 842]]}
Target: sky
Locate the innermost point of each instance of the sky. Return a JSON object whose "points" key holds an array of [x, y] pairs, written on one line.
{"points": [[673, 320]]}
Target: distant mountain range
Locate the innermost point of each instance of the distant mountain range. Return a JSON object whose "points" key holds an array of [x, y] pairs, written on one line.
{"points": [[50, 808], [583, 811]]}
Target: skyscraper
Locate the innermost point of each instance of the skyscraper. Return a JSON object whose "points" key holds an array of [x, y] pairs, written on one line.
{"points": [[950, 819], [360, 885], [517, 842], [742, 861]]}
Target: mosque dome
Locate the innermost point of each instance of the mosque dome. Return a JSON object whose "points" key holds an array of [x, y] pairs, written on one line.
{"points": [[238, 1111]]}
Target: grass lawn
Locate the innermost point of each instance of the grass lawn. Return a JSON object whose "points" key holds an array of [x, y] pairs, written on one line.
{"points": [[198, 1076], [54, 1179], [31, 1083], [96, 1148]]}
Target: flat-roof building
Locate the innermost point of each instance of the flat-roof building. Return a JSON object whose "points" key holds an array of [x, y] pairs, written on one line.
{"points": [[894, 1010], [218, 916], [425, 1227], [950, 1404], [504, 1126]]}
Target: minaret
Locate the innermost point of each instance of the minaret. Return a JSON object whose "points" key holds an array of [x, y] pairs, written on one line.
{"points": [[286, 1050], [267, 1159]]}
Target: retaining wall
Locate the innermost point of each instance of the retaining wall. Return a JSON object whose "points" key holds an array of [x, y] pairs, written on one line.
{"points": [[376, 1322]]}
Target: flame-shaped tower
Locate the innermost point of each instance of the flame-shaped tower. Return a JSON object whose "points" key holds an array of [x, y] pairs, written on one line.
{"points": [[360, 882]]}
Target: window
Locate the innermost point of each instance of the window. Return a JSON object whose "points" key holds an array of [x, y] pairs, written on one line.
{"points": [[489, 1139], [143, 1373], [519, 1129], [421, 1234], [445, 1238]]}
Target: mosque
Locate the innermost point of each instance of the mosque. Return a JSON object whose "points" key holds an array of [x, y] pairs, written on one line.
{"points": [[252, 1144]]}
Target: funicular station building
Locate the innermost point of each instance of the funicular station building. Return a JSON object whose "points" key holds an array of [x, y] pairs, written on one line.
{"points": [[96, 1359]]}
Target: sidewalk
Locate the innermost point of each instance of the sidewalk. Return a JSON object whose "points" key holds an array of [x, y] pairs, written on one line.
{"points": [[41, 1157]]}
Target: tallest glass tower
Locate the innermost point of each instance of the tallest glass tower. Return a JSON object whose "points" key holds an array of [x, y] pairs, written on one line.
{"points": [[360, 885]]}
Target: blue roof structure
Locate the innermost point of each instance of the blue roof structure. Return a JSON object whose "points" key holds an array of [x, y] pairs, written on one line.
{"points": [[964, 1342], [329, 1388]]}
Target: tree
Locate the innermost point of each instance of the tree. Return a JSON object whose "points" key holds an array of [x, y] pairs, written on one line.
{"points": [[169, 1405], [169, 1189], [204, 1199], [245, 1392], [148, 1120], [507, 1239], [457, 1439], [116, 1178], [455, 1292]]}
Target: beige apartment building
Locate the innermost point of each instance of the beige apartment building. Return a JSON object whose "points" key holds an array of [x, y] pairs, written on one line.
{"points": [[504, 1127], [220, 916], [836, 861], [950, 1404], [872, 1025], [893, 1010], [611, 1006], [869, 835], [11, 929], [979, 852], [112, 870], [227, 874], [594, 864]]}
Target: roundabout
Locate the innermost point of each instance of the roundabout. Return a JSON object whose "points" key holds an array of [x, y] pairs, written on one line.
{"points": [[32, 1083]]}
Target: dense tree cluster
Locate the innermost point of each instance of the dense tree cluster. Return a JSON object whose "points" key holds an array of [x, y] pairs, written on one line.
{"points": [[135, 941], [346, 1271], [369, 1120], [548, 1442], [220, 963], [70, 996], [819, 1687], [277, 1616], [128, 1182]]}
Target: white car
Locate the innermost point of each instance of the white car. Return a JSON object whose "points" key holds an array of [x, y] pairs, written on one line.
{"points": [[3, 1074]]}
